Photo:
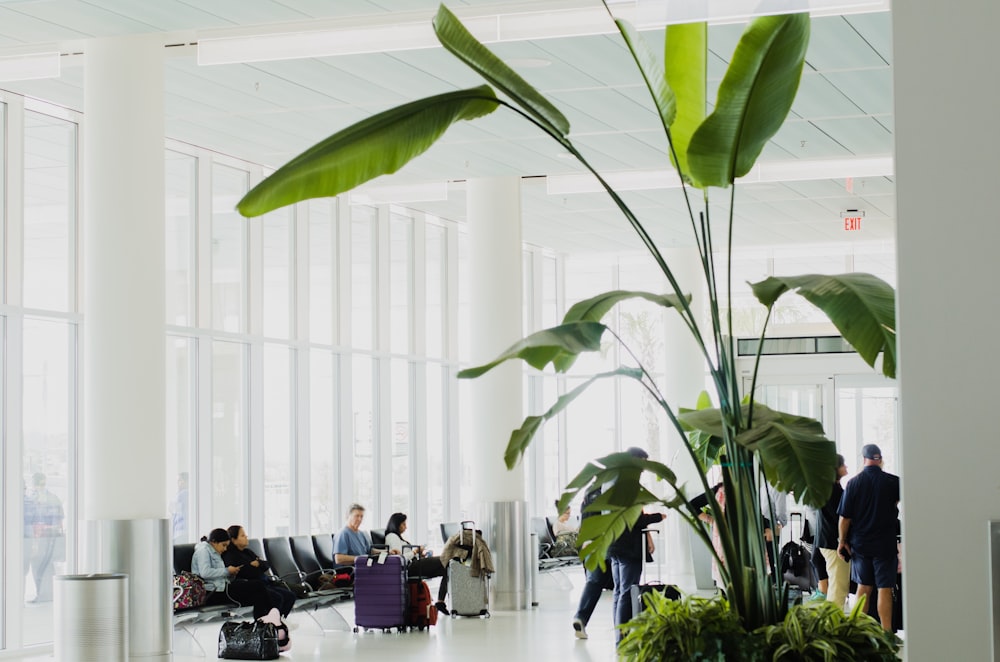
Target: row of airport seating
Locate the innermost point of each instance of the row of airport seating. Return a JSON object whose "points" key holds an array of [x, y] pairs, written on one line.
{"points": [[298, 559]]}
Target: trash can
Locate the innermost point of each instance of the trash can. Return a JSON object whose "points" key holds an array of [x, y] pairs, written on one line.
{"points": [[91, 617]]}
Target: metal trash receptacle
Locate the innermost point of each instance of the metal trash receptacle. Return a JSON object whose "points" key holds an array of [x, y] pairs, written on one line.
{"points": [[91, 617]]}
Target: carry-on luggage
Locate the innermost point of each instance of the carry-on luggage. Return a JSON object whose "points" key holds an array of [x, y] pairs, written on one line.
{"points": [[470, 596], [420, 611], [636, 591], [249, 640], [794, 564], [379, 592]]}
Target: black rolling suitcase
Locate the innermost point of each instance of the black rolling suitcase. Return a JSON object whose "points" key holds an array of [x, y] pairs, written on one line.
{"points": [[636, 591]]}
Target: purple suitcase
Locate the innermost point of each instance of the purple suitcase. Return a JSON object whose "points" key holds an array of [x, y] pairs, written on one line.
{"points": [[379, 593]]}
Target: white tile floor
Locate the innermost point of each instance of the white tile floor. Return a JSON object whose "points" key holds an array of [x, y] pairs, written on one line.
{"points": [[541, 633]]}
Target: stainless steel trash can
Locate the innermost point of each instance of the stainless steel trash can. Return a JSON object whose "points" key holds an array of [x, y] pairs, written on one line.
{"points": [[91, 617]]}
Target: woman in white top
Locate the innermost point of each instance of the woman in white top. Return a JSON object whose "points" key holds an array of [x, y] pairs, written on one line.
{"points": [[419, 565]]}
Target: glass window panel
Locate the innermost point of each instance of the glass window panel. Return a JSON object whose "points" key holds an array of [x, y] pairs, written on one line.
{"points": [[362, 391], [277, 440], [322, 271], [464, 300], [400, 408], [48, 417], [552, 481], [362, 276], [181, 215], [277, 267], [528, 293], [877, 260], [437, 279], [590, 424], [549, 290], [50, 185], [229, 241], [229, 467], [748, 313], [323, 447], [437, 417], [642, 420], [181, 417], [400, 282]]}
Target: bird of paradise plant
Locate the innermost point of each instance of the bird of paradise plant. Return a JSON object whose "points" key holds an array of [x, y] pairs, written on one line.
{"points": [[749, 442]]}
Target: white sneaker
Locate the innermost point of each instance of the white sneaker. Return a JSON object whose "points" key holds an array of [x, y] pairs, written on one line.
{"points": [[578, 629]]}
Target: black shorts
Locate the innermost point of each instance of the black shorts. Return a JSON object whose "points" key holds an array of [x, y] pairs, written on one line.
{"points": [[877, 571]]}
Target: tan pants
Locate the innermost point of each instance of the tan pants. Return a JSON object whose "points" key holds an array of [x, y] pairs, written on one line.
{"points": [[839, 571]]}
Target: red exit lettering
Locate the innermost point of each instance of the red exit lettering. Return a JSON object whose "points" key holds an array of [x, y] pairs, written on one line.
{"points": [[852, 223]]}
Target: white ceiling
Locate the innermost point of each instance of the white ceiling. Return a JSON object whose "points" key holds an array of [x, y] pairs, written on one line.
{"points": [[267, 112]]}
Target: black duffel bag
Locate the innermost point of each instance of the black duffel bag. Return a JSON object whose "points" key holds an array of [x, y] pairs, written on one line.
{"points": [[248, 640]]}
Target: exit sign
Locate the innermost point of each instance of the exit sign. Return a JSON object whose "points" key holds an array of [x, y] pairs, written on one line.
{"points": [[852, 219]]}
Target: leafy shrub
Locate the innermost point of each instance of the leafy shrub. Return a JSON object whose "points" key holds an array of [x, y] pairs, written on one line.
{"points": [[691, 628], [821, 631]]}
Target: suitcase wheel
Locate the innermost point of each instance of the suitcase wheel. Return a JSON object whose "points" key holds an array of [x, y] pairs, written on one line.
{"points": [[485, 612]]}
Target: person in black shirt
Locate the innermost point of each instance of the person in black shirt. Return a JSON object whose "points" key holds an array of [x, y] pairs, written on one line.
{"points": [[253, 568], [868, 513], [626, 554], [838, 572]]}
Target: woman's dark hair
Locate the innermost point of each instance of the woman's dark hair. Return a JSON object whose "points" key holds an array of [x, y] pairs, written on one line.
{"points": [[217, 535], [234, 531], [395, 520]]}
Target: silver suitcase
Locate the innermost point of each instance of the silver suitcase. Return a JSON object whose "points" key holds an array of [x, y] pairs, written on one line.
{"points": [[470, 596]]}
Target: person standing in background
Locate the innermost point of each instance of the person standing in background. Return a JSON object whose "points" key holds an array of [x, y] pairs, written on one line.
{"points": [[838, 571], [869, 510], [43, 522]]}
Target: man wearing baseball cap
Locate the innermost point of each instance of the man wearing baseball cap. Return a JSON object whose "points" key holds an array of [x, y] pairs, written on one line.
{"points": [[868, 512]]}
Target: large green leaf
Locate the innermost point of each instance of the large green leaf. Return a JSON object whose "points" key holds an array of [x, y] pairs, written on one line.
{"points": [[595, 308], [861, 306], [521, 438], [652, 73], [457, 39], [379, 145], [619, 505], [706, 446], [754, 98], [796, 456], [685, 61], [549, 345]]}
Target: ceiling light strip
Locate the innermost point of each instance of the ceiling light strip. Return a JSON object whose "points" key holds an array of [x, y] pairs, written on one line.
{"points": [[30, 67], [770, 172], [385, 36]]}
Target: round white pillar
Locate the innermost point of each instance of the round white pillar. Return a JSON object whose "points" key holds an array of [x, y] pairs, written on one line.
{"points": [[124, 447], [494, 218]]}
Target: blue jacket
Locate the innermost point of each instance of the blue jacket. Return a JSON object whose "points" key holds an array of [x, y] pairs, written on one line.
{"points": [[208, 564]]}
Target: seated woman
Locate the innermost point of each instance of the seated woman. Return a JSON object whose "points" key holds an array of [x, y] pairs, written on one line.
{"points": [[207, 563], [253, 568], [419, 565], [565, 531]]}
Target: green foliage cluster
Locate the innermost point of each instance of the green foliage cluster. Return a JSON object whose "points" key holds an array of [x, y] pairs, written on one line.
{"points": [[696, 629], [747, 441]]}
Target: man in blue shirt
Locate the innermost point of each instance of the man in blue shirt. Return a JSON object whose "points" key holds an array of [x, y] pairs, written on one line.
{"points": [[351, 542], [868, 512]]}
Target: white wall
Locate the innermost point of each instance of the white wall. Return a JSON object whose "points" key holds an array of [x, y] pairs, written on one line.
{"points": [[947, 167]]}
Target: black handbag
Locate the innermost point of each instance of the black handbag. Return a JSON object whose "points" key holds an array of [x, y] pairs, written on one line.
{"points": [[248, 640]]}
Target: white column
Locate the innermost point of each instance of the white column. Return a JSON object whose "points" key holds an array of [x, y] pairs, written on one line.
{"points": [[946, 141], [124, 449], [494, 213], [685, 379]]}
